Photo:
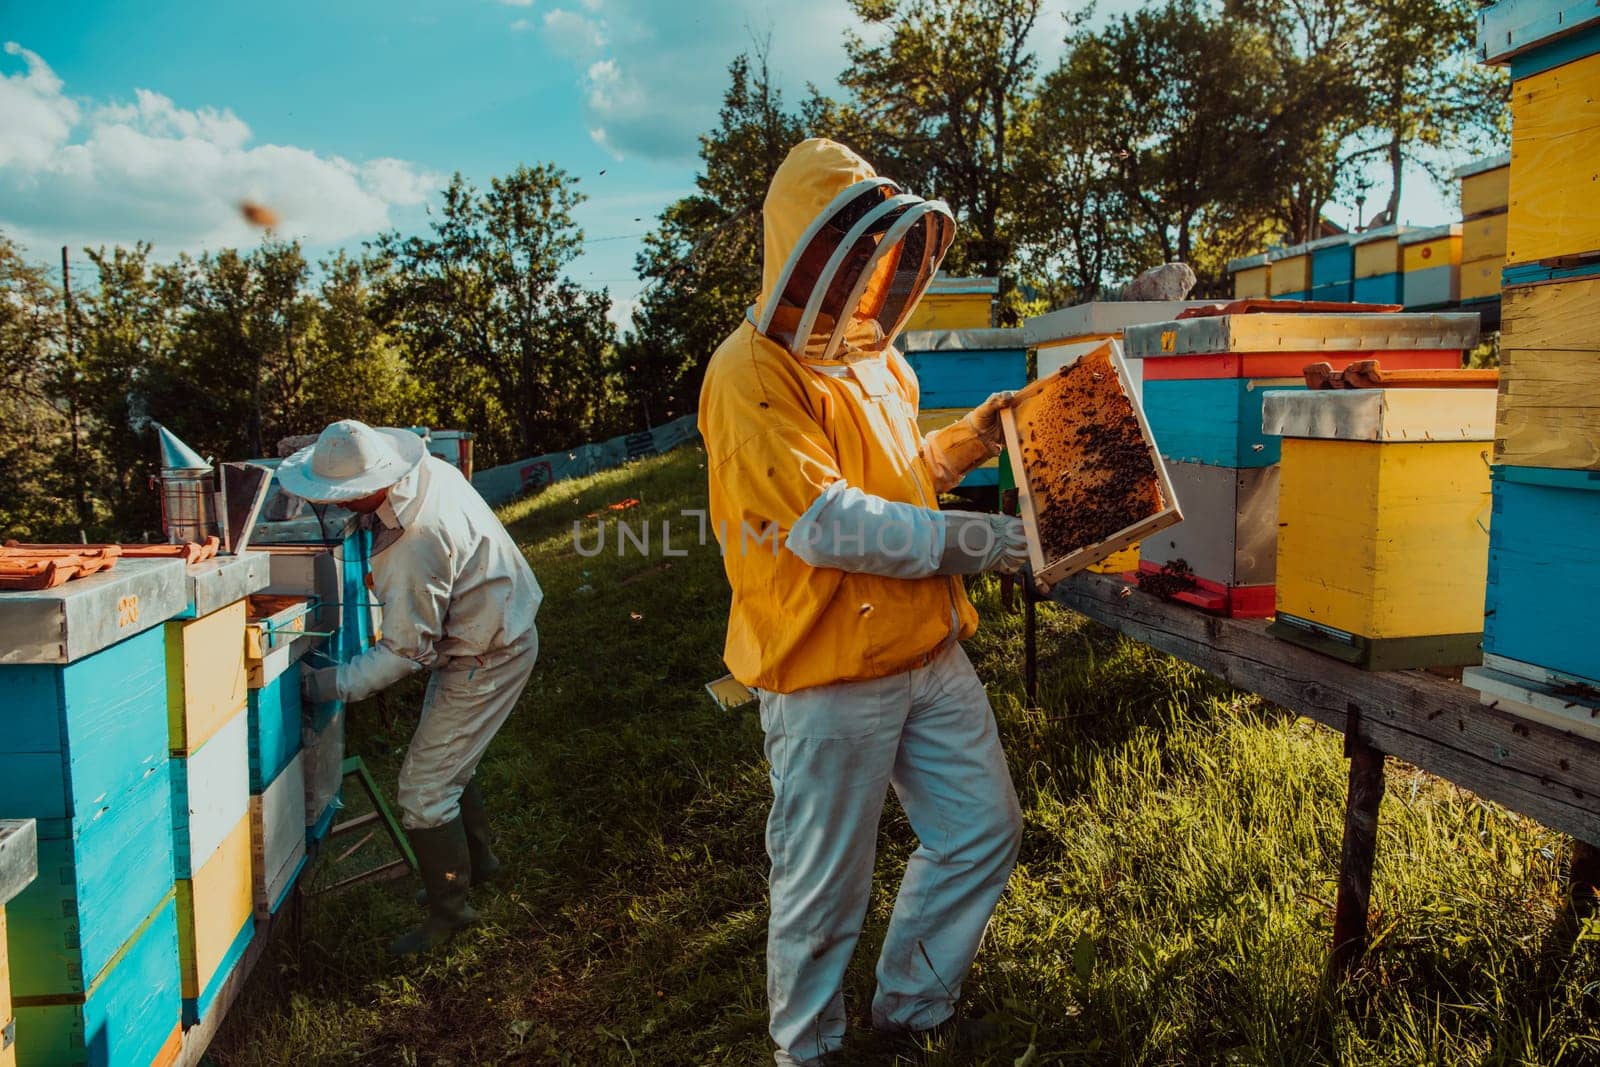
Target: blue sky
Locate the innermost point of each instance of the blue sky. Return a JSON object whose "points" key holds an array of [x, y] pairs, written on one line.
{"points": [[122, 121]]}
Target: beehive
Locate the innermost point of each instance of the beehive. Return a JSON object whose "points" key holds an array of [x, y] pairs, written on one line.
{"points": [[1089, 480], [19, 865], [274, 717], [1483, 229], [1289, 273], [1431, 267], [1383, 505], [1250, 277], [1555, 166], [1377, 266], [956, 304], [1204, 382], [1543, 581], [1332, 268], [1062, 336], [278, 838]]}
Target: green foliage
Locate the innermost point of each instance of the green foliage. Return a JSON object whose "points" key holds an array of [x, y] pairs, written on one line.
{"points": [[517, 350], [1173, 904], [35, 479]]}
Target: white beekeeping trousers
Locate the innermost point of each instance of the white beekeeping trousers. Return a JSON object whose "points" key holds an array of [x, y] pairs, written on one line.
{"points": [[466, 704], [834, 751]]}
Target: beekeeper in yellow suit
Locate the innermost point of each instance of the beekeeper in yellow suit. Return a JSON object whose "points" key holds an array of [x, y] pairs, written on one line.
{"points": [[459, 600], [848, 606]]}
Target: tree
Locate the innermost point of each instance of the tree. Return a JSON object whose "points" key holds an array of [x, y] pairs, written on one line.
{"points": [[702, 265], [36, 479], [502, 339], [944, 92]]}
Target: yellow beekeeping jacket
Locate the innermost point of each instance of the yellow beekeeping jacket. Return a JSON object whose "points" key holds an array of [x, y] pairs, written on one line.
{"points": [[779, 428]]}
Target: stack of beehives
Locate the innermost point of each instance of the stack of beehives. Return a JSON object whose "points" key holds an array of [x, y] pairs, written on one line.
{"points": [[1484, 197], [1204, 379], [1540, 654]]}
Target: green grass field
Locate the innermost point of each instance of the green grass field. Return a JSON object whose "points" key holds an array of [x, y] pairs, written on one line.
{"points": [[1173, 903]]}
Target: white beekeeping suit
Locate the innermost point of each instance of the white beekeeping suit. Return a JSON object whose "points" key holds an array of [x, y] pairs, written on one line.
{"points": [[458, 600]]}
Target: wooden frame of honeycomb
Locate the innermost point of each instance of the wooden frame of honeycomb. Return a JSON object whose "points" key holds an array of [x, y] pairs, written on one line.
{"points": [[1090, 480]]}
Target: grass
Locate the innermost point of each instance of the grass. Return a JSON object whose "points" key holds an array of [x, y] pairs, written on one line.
{"points": [[1173, 903]]}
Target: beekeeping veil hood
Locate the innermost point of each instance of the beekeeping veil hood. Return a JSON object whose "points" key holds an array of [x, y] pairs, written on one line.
{"points": [[847, 255]]}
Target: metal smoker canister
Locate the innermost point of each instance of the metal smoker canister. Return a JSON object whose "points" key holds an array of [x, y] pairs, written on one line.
{"points": [[188, 492]]}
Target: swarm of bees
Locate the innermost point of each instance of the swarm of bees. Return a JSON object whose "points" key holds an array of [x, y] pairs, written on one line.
{"points": [[1088, 465], [258, 214]]}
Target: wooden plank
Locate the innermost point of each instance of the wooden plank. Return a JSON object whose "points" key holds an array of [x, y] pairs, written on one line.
{"points": [[1562, 315], [1549, 410], [1555, 163], [1544, 703], [212, 908], [210, 794], [1437, 725]]}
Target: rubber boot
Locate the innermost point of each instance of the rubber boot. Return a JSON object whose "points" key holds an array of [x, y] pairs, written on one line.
{"points": [[475, 820], [446, 865]]}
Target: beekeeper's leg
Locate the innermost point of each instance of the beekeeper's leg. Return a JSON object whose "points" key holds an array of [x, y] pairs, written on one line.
{"points": [[832, 750], [463, 710], [952, 780]]}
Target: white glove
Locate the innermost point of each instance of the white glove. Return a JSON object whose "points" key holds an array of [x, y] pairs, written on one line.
{"points": [[321, 685], [376, 668], [985, 418], [975, 542]]}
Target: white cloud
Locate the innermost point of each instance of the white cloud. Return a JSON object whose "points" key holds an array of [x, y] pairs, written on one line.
{"points": [[151, 170], [521, 25], [653, 74], [517, 3], [575, 35]]}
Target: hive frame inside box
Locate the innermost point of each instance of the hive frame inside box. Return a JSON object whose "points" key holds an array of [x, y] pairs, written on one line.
{"points": [[1050, 572]]}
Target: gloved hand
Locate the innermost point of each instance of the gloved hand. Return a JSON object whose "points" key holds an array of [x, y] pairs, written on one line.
{"points": [[974, 542], [321, 685], [985, 418]]}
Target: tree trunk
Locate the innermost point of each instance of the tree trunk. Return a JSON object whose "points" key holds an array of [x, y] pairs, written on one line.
{"points": [[1396, 169]]}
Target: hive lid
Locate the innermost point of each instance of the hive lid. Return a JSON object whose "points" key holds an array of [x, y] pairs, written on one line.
{"points": [[984, 340], [1378, 233], [1484, 165], [1513, 27], [1247, 262], [78, 619], [19, 856], [1100, 318], [1304, 332], [1328, 242], [944, 285], [1387, 415], [1285, 252], [1430, 233]]}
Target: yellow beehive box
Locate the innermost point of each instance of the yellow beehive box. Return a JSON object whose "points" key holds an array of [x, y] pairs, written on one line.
{"points": [[1289, 273], [1383, 511], [1438, 246], [207, 682], [1377, 253], [215, 913], [1250, 277], [1483, 238], [1480, 278], [1549, 413], [956, 304], [1119, 562], [1555, 163], [1485, 186]]}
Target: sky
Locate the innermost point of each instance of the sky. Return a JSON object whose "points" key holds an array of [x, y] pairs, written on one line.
{"points": [[122, 122]]}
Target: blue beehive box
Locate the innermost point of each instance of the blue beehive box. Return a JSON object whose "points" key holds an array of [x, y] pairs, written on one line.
{"points": [[84, 751], [1214, 421], [959, 369], [1332, 268], [275, 711], [1543, 578], [128, 1017]]}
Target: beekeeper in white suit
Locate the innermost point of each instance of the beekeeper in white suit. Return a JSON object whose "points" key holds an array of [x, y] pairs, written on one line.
{"points": [[848, 607], [458, 600]]}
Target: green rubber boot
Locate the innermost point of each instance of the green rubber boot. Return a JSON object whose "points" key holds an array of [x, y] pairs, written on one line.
{"points": [[446, 865], [475, 820]]}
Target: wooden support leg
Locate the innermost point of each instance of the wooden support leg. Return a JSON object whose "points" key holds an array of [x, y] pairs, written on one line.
{"points": [[1360, 848], [1030, 637], [1584, 874]]}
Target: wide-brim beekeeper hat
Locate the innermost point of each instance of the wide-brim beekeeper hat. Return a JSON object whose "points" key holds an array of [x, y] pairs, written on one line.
{"points": [[351, 460]]}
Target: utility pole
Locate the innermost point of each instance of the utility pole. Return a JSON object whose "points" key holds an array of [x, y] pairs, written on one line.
{"points": [[79, 500]]}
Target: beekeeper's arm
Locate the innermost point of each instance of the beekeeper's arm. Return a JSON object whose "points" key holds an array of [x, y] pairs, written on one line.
{"points": [[411, 579], [974, 439], [786, 474]]}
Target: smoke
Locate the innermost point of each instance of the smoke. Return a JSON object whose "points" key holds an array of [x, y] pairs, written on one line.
{"points": [[139, 420]]}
